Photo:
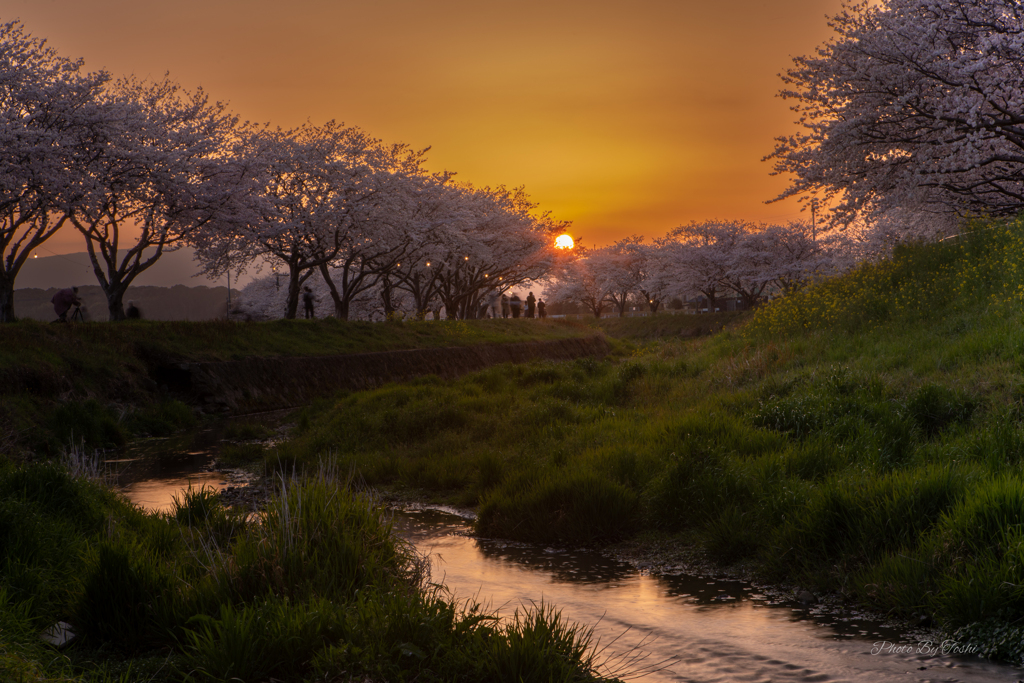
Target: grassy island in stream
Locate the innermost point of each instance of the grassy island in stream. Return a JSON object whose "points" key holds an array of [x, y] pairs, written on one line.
{"points": [[865, 435]]}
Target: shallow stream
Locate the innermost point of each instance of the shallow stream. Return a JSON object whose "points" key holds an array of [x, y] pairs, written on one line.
{"points": [[670, 626]]}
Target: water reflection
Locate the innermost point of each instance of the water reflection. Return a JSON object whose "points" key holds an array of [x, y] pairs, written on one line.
{"points": [[692, 628], [155, 470]]}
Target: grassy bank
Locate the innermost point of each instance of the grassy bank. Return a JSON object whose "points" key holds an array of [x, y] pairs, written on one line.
{"points": [[91, 381], [863, 436], [315, 588]]}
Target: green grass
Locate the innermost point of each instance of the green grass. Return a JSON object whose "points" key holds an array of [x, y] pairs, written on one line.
{"points": [[29, 346], [90, 383], [315, 588], [864, 436]]}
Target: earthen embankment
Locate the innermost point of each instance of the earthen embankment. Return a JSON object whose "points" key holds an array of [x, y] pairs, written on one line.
{"points": [[269, 383]]}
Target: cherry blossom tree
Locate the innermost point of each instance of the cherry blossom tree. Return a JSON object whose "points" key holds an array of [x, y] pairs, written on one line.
{"points": [[696, 259], [579, 281], [155, 172], [794, 256], [47, 119], [266, 298], [644, 258], [915, 104], [622, 268], [442, 217], [382, 227], [480, 242]]}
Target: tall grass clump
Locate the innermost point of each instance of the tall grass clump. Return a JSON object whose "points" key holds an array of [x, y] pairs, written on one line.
{"points": [[317, 538], [575, 506]]}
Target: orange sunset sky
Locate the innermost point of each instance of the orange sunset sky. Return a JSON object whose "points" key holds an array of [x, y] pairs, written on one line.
{"points": [[621, 117]]}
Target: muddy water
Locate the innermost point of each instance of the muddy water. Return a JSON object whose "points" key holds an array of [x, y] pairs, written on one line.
{"points": [[669, 627]]}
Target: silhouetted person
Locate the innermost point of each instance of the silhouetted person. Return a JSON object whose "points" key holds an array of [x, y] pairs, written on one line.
{"points": [[506, 307], [531, 305], [541, 312], [517, 305], [307, 301], [132, 312], [63, 301], [494, 305]]}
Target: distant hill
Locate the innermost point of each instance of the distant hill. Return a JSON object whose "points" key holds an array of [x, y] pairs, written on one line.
{"points": [[156, 303], [74, 270]]}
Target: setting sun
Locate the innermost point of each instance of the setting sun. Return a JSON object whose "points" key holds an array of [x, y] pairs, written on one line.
{"points": [[564, 242]]}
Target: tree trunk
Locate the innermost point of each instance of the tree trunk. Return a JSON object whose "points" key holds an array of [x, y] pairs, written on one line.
{"points": [[389, 306], [6, 299], [292, 305], [340, 305], [115, 302]]}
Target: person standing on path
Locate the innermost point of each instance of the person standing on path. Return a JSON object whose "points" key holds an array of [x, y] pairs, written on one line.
{"points": [[494, 305], [307, 301], [541, 312], [517, 305], [506, 307], [531, 305]]}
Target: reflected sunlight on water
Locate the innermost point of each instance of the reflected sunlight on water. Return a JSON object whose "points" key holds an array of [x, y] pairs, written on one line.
{"points": [[158, 494], [692, 628]]}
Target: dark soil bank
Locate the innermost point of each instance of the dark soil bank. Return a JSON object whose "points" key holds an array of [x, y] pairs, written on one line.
{"points": [[269, 383]]}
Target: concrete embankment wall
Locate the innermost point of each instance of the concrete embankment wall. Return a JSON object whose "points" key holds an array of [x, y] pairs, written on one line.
{"points": [[270, 383]]}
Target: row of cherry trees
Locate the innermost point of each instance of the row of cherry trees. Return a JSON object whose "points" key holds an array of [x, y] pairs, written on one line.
{"points": [[141, 168], [711, 259], [441, 245]]}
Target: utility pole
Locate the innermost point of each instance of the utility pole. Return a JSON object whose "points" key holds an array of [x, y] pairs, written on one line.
{"points": [[814, 227]]}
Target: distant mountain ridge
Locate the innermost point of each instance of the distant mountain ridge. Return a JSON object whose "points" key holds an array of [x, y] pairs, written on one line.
{"points": [[74, 270]]}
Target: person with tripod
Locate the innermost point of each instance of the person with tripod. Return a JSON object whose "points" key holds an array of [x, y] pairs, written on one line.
{"points": [[63, 301]]}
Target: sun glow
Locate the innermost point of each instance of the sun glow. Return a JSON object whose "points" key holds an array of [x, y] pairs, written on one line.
{"points": [[564, 242]]}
